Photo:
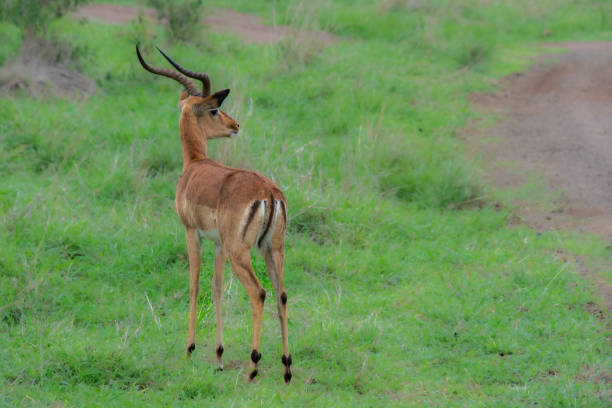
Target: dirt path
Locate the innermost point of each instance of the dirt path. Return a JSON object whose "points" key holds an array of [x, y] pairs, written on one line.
{"points": [[556, 120], [248, 27], [114, 13]]}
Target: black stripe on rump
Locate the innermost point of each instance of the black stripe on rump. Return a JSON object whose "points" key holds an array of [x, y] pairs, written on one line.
{"points": [[284, 211], [272, 206], [254, 208]]}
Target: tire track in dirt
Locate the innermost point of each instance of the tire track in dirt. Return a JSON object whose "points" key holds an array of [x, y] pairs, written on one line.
{"points": [[556, 120]]}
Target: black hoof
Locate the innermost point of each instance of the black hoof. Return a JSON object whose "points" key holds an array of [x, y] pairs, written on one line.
{"points": [[287, 378], [255, 356], [253, 374], [191, 348]]}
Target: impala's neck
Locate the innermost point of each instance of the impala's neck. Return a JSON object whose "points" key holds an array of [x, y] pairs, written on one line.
{"points": [[192, 138]]}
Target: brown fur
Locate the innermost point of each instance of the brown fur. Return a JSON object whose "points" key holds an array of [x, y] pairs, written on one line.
{"points": [[213, 196]]}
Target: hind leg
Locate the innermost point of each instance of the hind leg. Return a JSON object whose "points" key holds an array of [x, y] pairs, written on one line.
{"points": [[241, 264], [274, 264]]}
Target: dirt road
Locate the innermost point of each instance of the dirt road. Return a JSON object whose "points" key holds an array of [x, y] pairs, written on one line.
{"points": [[556, 120]]}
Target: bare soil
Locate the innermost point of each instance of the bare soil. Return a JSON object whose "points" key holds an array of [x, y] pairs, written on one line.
{"points": [[113, 13], [556, 120], [40, 69], [248, 27]]}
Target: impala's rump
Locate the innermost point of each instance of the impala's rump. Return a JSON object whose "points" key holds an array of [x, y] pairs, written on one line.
{"points": [[257, 199], [263, 217]]}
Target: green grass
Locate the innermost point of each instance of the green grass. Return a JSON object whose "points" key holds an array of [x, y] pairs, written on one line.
{"points": [[406, 285]]}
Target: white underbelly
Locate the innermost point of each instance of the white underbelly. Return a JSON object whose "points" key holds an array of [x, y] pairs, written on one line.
{"points": [[211, 235]]}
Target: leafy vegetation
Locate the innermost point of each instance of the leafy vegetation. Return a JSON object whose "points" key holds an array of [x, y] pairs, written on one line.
{"points": [[181, 17], [34, 17], [400, 291]]}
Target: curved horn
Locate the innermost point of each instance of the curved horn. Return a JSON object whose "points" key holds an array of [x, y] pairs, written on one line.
{"points": [[177, 76], [197, 75]]}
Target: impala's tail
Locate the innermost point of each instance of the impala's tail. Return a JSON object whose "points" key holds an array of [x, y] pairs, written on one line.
{"points": [[268, 224]]}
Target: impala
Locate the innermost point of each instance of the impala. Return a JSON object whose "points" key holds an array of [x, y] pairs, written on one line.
{"points": [[236, 209]]}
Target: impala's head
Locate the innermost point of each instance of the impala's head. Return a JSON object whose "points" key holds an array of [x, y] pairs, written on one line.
{"points": [[210, 119]]}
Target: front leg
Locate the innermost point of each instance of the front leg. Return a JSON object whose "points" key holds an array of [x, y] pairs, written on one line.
{"points": [[195, 261], [217, 292]]}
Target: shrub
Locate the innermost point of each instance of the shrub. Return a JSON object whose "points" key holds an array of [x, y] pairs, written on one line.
{"points": [[142, 33], [34, 17], [182, 17]]}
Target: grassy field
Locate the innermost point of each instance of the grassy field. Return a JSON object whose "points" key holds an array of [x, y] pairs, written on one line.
{"points": [[406, 284]]}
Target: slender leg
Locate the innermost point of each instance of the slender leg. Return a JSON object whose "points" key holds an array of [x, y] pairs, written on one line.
{"points": [[274, 264], [217, 292], [195, 260], [241, 264]]}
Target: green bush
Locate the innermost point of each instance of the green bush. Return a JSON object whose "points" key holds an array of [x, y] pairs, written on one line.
{"points": [[181, 17], [140, 31], [34, 17]]}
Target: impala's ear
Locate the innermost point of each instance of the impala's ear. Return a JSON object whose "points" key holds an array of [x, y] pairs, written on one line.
{"points": [[220, 96], [210, 103]]}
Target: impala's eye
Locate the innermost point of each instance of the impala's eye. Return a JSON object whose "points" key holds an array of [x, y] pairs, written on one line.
{"points": [[214, 112]]}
